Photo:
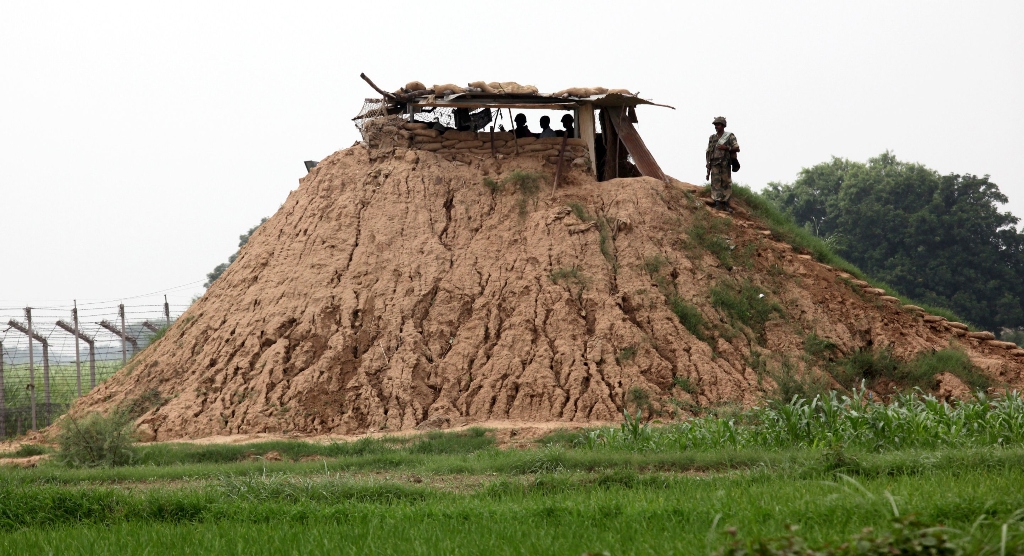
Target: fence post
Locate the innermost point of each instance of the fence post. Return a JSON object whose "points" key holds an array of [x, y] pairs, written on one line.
{"points": [[124, 336], [167, 311], [31, 368], [46, 382], [78, 355], [3, 408]]}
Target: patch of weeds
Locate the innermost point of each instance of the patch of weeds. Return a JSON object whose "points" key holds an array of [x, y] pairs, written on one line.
{"points": [[572, 278], [607, 242], [791, 383], [759, 363], [492, 186], [625, 354], [866, 366], [137, 406], [818, 347], [527, 184], [639, 399], [654, 264], [581, 212], [929, 364], [746, 303], [706, 233], [28, 450], [96, 440], [920, 372], [688, 315], [685, 384]]}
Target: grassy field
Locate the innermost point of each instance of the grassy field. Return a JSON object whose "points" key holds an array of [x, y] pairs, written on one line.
{"points": [[809, 473], [63, 390]]}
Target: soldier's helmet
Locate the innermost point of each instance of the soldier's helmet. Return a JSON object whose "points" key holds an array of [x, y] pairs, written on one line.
{"points": [[719, 120]]}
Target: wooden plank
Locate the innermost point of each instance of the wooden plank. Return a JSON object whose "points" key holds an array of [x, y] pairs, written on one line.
{"points": [[629, 136], [585, 127]]}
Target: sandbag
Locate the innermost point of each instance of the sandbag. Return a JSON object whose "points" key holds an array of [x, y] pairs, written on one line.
{"points": [[550, 140], [535, 147], [414, 86], [444, 89], [415, 125], [510, 88], [619, 92], [460, 135], [480, 151], [576, 142], [504, 135], [482, 86], [450, 143], [523, 141], [421, 140], [426, 132], [430, 146], [469, 144]]}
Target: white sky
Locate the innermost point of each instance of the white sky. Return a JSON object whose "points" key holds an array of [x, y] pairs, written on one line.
{"points": [[137, 141]]}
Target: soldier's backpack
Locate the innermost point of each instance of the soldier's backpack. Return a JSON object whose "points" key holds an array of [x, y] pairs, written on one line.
{"points": [[734, 162]]}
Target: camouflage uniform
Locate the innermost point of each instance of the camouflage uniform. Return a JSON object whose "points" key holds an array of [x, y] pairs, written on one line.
{"points": [[721, 173]]}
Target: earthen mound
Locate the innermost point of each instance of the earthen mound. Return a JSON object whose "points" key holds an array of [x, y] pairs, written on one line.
{"points": [[413, 291]]}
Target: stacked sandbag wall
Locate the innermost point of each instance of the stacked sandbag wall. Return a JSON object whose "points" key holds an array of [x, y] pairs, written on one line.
{"points": [[451, 142]]}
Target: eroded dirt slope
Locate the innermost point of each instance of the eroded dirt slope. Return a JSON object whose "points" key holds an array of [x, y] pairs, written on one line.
{"points": [[401, 292]]}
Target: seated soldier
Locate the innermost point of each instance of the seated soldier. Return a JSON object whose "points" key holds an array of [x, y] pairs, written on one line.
{"points": [[545, 128], [521, 129], [567, 122]]}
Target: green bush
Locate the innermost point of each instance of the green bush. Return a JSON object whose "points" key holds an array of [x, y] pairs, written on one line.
{"points": [[746, 303], [96, 440], [492, 186], [871, 366], [688, 315]]}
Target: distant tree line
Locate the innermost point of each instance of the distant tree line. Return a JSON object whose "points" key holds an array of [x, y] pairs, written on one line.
{"points": [[938, 239], [212, 276]]}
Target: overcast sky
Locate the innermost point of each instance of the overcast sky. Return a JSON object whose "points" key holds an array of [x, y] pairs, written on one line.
{"points": [[138, 141]]}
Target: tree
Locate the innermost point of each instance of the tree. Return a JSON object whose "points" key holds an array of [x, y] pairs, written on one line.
{"points": [[212, 276], [938, 239]]}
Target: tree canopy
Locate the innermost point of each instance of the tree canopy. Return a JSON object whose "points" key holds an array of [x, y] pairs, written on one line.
{"points": [[939, 239], [212, 276]]}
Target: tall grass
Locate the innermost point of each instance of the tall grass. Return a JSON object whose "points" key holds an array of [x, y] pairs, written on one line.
{"points": [[909, 421]]}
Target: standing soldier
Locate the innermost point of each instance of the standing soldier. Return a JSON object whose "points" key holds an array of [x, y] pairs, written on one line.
{"points": [[722, 148]]}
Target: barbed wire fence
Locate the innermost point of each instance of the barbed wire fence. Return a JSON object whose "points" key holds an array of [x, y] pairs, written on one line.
{"points": [[52, 354]]}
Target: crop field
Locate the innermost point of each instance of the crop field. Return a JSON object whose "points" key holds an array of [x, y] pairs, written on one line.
{"points": [[837, 475]]}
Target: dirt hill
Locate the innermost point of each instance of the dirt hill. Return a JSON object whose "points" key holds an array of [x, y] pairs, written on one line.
{"points": [[413, 291]]}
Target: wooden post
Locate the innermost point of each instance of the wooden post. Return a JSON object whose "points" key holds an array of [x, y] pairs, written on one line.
{"points": [[3, 408], [494, 154], [116, 332], [124, 336], [31, 368], [515, 139], [78, 355], [91, 342], [167, 311]]}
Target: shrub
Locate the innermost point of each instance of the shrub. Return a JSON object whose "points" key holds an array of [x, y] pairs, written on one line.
{"points": [[625, 354], [746, 303], [96, 440], [688, 315], [527, 183], [492, 186], [684, 383], [816, 346], [580, 212], [929, 364], [791, 384], [871, 366]]}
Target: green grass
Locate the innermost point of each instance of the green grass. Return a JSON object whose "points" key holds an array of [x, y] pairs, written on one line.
{"points": [[831, 466], [689, 315], [707, 232], [783, 229], [745, 303], [872, 366], [549, 512]]}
